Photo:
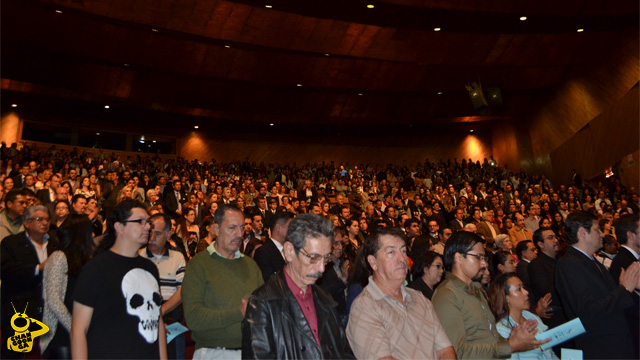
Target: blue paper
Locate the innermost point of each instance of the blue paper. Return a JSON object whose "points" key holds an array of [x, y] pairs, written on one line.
{"points": [[570, 354], [562, 333], [174, 330]]}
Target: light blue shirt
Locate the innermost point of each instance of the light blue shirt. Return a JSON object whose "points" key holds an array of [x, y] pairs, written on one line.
{"points": [[504, 327]]}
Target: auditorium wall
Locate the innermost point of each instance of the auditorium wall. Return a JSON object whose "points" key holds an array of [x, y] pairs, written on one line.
{"points": [[382, 150], [587, 123]]}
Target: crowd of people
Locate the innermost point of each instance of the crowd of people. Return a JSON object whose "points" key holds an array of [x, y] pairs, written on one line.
{"points": [[312, 261]]}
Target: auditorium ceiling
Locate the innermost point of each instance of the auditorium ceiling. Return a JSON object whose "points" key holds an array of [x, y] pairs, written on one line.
{"points": [[367, 67]]}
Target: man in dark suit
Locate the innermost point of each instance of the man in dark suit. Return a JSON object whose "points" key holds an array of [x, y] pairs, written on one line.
{"points": [[542, 274], [526, 252], [270, 256], [19, 181], [49, 195], [23, 257], [256, 236], [588, 291], [628, 235], [174, 199], [457, 224]]}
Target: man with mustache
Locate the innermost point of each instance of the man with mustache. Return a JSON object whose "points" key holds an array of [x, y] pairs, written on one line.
{"points": [[463, 309], [290, 317], [389, 320], [216, 286]]}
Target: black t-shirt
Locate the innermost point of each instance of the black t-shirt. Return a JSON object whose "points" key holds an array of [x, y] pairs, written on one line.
{"points": [[125, 297]]}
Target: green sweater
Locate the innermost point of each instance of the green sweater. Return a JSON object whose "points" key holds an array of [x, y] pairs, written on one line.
{"points": [[212, 292]]}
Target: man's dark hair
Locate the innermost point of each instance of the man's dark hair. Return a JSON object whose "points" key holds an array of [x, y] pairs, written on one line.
{"points": [[165, 217], [460, 242], [221, 212], [575, 221], [372, 242], [12, 195], [386, 210], [626, 223], [537, 237], [308, 226], [27, 192], [76, 197], [408, 222], [121, 213], [522, 247], [280, 217]]}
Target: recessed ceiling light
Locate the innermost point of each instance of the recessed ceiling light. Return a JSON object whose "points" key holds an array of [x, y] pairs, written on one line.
{"points": [[436, 29], [271, 124], [471, 130], [59, 11], [227, 46], [268, 6], [439, 92], [98, 134], [359, 94], [106, 106], [298, 85], [154, 141], [523, 18], [370, 6], [327, 54], [195, 127], [14, 105], [154, 30], [580, 30], [127, 65]]}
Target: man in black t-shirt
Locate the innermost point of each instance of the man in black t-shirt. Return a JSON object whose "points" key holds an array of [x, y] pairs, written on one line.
{"points": [[116, 311]]}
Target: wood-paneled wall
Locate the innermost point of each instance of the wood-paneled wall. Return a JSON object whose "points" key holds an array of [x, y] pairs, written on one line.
{"points": [[382, 150]]}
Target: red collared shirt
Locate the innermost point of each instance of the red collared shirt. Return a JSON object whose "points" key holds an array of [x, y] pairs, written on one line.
{"points": [[305, 300]]}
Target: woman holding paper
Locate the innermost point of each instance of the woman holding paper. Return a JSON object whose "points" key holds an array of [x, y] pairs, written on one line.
{"points": [[509, 302]]}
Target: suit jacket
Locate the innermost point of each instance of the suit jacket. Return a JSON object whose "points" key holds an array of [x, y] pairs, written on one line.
{"points": [[622, 261], [484, 230], [172, 202], [269, 259], [275, 327], [334, 286], [43, 196], [19, 282], [588, 291], [18, 183], [542, 276], [454, 225]]}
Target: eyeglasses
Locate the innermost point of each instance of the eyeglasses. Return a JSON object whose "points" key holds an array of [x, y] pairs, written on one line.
{"points": [[39, 219], [142, 222], [551, 237], [480, 257], [313, 259]]}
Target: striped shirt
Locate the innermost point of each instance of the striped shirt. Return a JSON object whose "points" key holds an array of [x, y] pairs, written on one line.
{"points": [[171, 267]]}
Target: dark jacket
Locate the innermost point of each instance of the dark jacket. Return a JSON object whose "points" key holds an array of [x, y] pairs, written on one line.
{"points": [[275, 327]]}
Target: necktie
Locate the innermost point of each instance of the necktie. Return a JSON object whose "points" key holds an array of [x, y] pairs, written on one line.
{"points": [[595, 263]]}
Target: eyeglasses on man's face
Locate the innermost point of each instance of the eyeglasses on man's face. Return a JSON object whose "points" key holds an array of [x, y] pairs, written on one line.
{"points": [[315, 258], [142, 222], [480, 257]]}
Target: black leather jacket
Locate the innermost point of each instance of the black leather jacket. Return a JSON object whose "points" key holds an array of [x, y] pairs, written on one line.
{"points": [[275, 327]]}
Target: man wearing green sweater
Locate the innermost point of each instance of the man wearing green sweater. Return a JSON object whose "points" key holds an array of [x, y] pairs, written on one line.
{"points": [[215, 289]]}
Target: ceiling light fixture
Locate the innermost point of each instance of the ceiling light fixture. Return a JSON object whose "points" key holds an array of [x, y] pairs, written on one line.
{"points": [[268, 6], [370, 6], [437, 29], [439, 92], [271, 124], [195, 127], [106, 106], [227, 46], [523, 18], [154, 141], [14, 105], [59, 11], [359, 94], [471, 130], [98, 134], [327, 54], [298, 85], [580, 30], [154, 30]]}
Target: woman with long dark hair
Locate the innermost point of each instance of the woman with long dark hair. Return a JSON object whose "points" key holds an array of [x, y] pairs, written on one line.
{"points": [[59, 280], [427, 273]]}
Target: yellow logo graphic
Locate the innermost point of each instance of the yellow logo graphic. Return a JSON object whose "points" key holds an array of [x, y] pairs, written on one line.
{"points": [[22, 340]]}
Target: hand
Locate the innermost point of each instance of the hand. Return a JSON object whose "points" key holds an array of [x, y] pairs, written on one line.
{"points": [[243, 306], [543, 310], [522, 338], [42, 264], [630, 278]]}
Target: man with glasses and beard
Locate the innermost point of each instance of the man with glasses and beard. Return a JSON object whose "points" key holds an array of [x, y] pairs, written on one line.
{"points": [[463, 309], [290, 317]]}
